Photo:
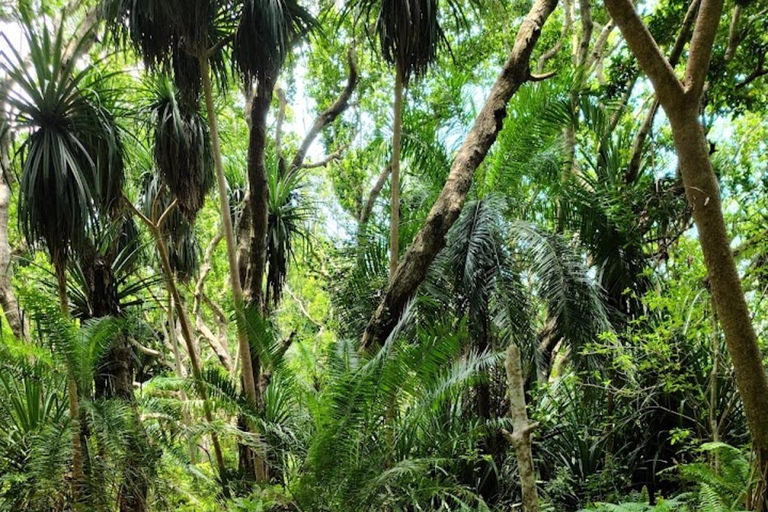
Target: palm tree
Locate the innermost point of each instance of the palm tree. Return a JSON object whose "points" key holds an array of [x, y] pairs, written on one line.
{"points": [[288, 214], [409, 35], [72, 167], [174, 33]]}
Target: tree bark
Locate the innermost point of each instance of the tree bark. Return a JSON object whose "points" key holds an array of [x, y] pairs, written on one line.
{"points": [[431, 238], [397, 132], [329, 115], [259, 192], [681, 102], [520, 437], [7, 296], [78, 459]]}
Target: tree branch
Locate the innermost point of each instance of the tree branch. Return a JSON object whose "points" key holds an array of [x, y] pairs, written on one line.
{"points": [[759, 71], [700, 52], [375, 191], [643, 45], [279, 128], [638, 145], [335, 156], [327, 117], [734, 36], [567, 22]]}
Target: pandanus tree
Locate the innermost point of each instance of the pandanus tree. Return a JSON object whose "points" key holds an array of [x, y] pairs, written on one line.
{"points": [[409, 36], [71, 161], [181, 143], [187, 38]]}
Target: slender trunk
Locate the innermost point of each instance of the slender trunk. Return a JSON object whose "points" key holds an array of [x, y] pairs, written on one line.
{"points": [[397, 132], [186, 331], [244, 349], [226, 222], [7, 296], [520, 437], [714, 424], [78, 472], [182, 374]]}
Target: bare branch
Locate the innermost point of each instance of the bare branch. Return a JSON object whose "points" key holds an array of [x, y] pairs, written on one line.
{"points": [[375, 191], [301, 307], [587, 25], [638, 145], [567, 22], [279, 128], [327, 117], [216, 345], [734, 36], [759, 71], [333, 157], [166, 213], [205, 269]]}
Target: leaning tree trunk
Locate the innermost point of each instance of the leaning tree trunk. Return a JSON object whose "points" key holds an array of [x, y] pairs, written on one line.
{"points": [[186, 332], [431, 238], [681, 102], [397, 133], [522, 428]]}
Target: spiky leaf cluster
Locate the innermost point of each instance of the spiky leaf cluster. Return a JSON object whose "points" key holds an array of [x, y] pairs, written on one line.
{"points": [[182, 146], [72, 166], [265, 34]]}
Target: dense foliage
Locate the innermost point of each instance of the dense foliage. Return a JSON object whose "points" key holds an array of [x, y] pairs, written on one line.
{"points": [[123, 381]]}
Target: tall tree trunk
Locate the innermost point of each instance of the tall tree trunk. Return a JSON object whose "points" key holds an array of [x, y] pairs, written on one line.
{"points": [[259, 191], [681, 102], [431, 238], [78, 464], [248, 374], [397, 133], [520, 437], [258, 207], [7, 296]]}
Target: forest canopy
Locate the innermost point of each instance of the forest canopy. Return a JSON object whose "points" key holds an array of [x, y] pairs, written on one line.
{"points": [[383, 255]]}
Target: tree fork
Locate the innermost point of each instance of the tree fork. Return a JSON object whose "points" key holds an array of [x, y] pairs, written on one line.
{"points": [[681, 102]]}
